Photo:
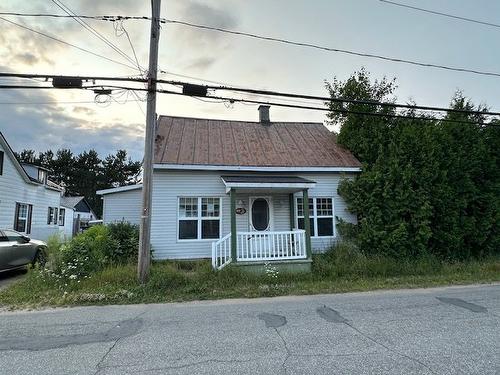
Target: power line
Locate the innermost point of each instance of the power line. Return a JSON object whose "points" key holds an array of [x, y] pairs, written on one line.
{"points": [[63, 102], [342, 111], [84, 78], [296, 106], [131, 45], [339, 100], [66, 43], [89, 28], [441, 13], [329, 49], [251, 92], [283, 41]]}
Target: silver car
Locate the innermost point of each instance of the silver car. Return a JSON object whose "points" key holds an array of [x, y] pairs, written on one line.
{"points": [[18, 250]]}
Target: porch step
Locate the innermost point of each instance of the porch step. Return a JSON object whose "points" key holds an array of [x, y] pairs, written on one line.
{"points": [[292, 266]]}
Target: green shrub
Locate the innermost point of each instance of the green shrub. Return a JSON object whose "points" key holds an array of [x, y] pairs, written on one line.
{"points": [[54, 244], [345, 259], [89, 249], [126, 236]]}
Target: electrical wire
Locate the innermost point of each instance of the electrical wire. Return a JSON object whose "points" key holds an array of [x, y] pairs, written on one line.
{"points": [[66, 43], [93, 31], [233, 100], [330, 49], [283, 41], [250, 91], [339, 100], [341, 111], [118, 25], [441, 14]]}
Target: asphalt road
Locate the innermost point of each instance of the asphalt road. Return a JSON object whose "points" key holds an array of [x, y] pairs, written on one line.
{"points": [[427, 331]]}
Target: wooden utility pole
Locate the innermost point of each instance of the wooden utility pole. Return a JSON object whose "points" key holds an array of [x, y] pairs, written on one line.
{"points": [[145, 229]]}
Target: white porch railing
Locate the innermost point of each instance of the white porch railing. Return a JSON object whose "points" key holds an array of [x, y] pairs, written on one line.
{"points": [[221, 252], [261, 246]]}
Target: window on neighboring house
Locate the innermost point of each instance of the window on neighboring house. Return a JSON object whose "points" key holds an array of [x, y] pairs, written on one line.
{"points": [[62, 213], [22, 220], [52, 216], [199, 218], [321, 216], [42, 176], [1, 163]]}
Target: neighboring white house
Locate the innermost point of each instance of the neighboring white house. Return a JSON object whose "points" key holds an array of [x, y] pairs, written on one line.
{"points": [[81, 214], [234, 190], [29, 201]]}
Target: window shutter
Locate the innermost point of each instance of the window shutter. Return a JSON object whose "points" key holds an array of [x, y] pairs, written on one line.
{"points": [[16, 215], [49, 214], [30, 214], [1, 163]]}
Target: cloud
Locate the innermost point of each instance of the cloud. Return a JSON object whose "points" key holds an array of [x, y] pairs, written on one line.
{"points": [[205, 47], [42, 127], [83, 110], [205, 14], [26, 58], [201, 64]]}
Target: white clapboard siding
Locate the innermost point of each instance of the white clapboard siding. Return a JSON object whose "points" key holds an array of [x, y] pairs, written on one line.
{"points": [[122, 206], [327, 186], [170, 184], [13, 188]]}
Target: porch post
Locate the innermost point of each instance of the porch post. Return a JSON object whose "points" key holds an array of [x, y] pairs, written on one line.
{"points": [[292, 211], [232, 195], [307, 223]]}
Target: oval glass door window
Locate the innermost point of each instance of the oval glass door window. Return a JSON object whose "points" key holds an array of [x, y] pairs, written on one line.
{"points": [[260, 214]]}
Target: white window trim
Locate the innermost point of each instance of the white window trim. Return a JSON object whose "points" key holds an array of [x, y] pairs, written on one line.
{"points": [[25, 231], [199, 218], [54, 216], [314, 216], [63, 218]]}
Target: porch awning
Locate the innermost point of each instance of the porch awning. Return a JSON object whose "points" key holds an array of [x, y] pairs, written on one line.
{"points": [[267, 183]]}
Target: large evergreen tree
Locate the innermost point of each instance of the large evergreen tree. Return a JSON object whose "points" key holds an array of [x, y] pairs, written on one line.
{"points": [[427, 186], [85, 173]]}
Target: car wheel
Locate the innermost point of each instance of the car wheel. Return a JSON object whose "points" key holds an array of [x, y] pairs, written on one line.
{"points": [[40, 258]]}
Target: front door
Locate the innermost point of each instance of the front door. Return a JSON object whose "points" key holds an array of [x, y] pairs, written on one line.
{"points": [[261, 220], [260, 214]]}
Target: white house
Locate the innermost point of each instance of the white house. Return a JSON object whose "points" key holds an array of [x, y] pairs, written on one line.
{"points": [[81, 213], [29, 201], [234, 190]]}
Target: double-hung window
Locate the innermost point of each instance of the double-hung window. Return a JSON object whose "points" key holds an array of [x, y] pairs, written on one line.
{"points": [[52, 216], [199, 218], [321, 216], [22, 220], [62, 213]]}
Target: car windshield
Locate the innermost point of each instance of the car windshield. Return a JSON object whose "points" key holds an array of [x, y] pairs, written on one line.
{"points": [[12, 235]]}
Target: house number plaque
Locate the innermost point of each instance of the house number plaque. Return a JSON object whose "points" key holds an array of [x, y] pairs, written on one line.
{"points": [[241, 210]]}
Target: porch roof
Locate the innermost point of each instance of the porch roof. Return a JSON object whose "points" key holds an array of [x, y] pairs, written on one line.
{"points": [[270, 183]]}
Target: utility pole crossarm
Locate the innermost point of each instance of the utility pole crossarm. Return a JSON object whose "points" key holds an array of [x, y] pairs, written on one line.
{"points": [[144, 260]]}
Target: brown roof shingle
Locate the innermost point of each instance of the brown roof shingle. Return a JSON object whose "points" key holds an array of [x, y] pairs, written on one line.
{"points": [[184, 140]]}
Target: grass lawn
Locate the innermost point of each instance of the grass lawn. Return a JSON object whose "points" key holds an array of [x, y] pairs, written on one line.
{"points": [[184, 281]]}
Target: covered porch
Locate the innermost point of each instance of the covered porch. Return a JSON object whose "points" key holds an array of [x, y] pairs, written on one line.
{"points": [[263, 223]]}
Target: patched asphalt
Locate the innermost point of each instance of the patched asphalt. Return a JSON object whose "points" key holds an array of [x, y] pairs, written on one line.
{"points": [[424, 331]]}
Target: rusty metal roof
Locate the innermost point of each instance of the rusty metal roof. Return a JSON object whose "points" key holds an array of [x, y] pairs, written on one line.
{"points": [[193, 141]]}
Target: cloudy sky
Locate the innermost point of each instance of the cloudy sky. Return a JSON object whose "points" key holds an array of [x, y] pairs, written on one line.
{"points": [[52, 119]]}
